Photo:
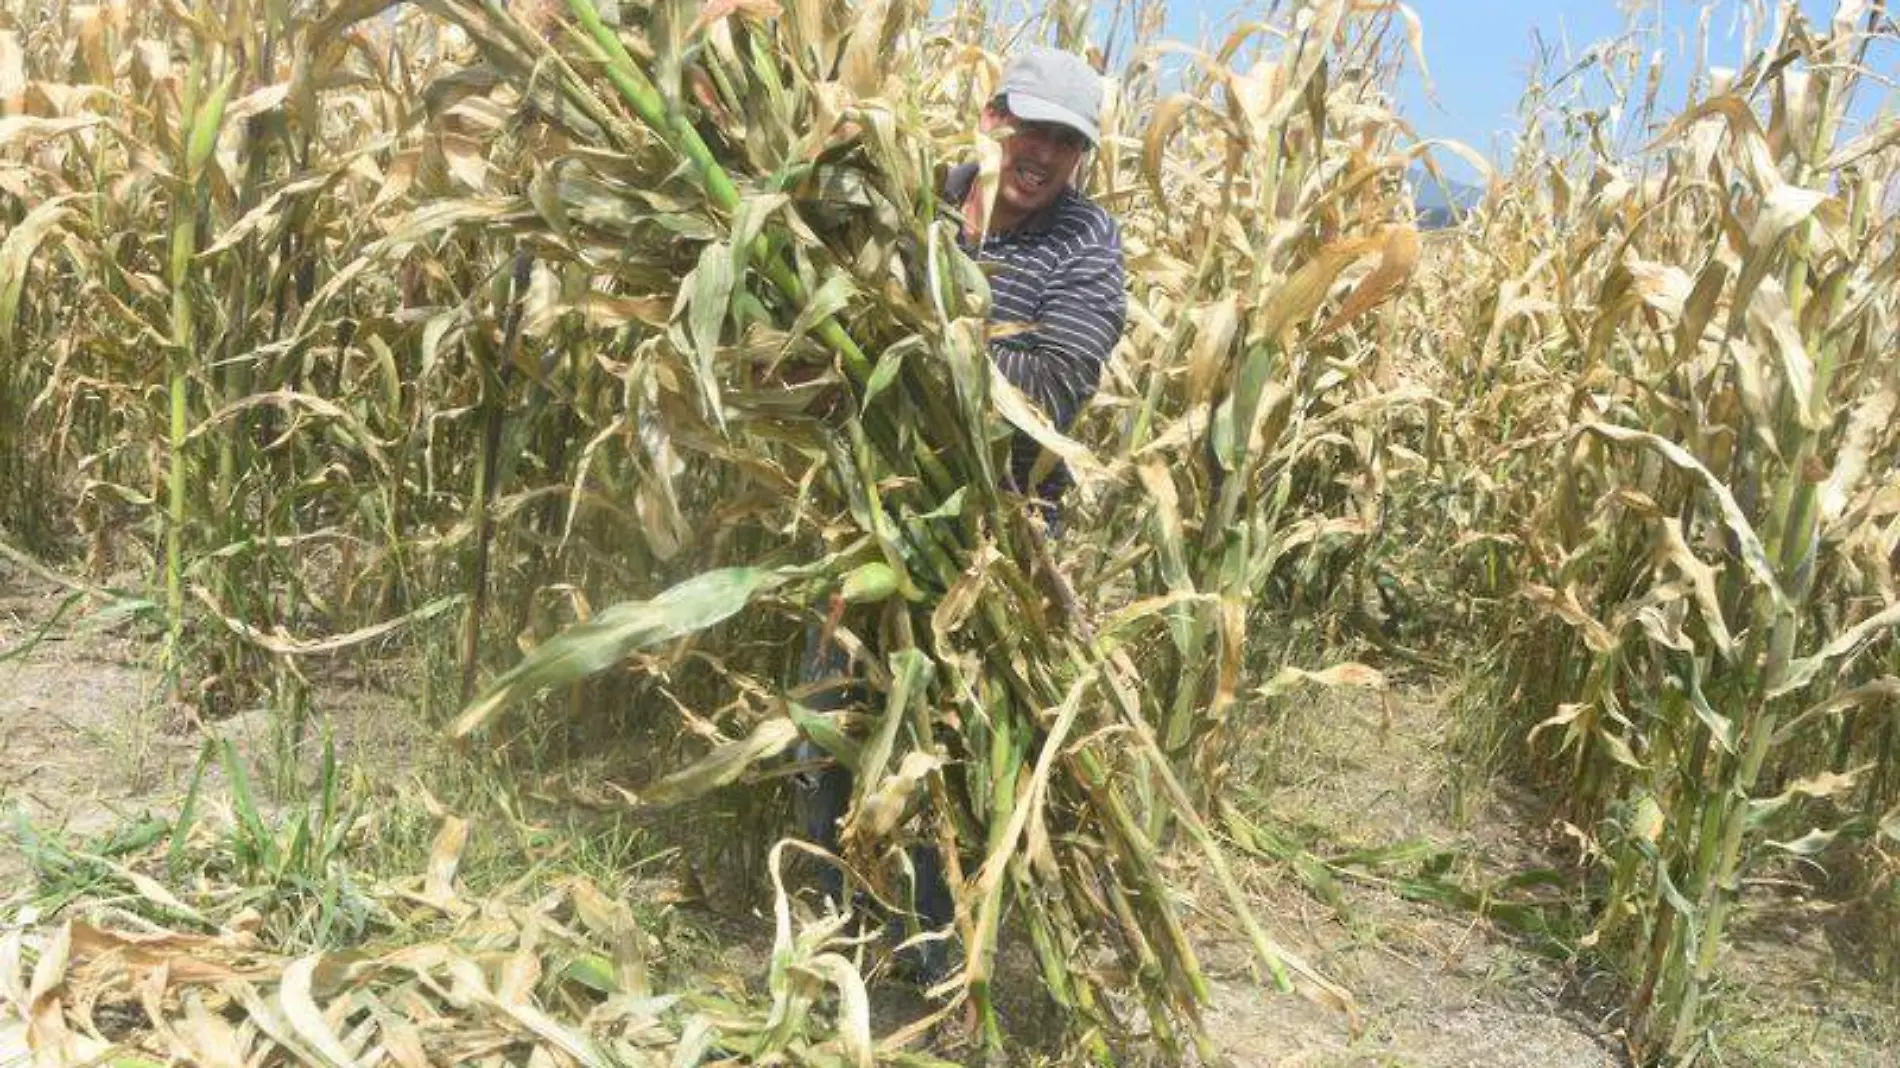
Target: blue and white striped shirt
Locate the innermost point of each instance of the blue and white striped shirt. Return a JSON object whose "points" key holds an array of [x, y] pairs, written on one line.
{"points": [[1060, 273]]}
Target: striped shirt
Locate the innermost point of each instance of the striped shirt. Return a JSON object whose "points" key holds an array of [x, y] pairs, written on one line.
{"points": [[1060, 272]]}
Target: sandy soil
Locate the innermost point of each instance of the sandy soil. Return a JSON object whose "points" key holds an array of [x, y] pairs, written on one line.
{"points": [[91, 740], [85, 747]]}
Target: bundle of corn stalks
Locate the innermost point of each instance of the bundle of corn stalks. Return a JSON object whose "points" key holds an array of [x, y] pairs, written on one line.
{"points": [[816, 271]]}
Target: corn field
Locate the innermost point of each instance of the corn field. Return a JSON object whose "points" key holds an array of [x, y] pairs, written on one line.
{"points": [[597, 353]]}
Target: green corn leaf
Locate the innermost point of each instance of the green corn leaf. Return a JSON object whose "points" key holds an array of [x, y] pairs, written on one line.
{"points": [[889, 363], [911, 671], [205, 126], [711, 296], [1801, 672], [602, 642]]}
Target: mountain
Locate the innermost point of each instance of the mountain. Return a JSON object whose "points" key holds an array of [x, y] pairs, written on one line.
{"points": [[1442, 203]]}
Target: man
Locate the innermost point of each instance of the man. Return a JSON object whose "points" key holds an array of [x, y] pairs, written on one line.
{"points": [[1055, 261], [1055, 256]]}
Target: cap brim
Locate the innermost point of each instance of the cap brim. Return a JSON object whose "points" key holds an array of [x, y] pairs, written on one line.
{"points": [[1036, 109]]}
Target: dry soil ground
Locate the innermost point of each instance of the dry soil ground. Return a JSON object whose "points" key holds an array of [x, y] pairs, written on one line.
{"points": [[87, 746]]}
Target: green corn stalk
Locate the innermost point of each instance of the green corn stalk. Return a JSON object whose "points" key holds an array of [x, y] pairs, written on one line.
{"points": [[1796, 518], [200, 122], [183, 338]]}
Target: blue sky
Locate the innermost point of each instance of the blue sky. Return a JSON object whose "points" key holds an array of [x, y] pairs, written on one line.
{"points": [[1479, 52]]}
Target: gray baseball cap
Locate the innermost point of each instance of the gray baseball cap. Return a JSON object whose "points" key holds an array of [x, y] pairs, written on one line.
{"points": [[1046, 85]]}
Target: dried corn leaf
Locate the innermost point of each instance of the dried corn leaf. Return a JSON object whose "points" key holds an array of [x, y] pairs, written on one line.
{"points": [[724, 765], [1754, 556], [1348, 674]]}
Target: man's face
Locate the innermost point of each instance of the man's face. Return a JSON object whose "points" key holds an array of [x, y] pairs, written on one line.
{"points": [[1039, 159]]}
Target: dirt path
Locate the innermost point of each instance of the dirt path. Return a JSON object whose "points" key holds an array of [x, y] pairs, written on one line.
{"points": [[1440, 988], [1434, 988], [85, 748]]}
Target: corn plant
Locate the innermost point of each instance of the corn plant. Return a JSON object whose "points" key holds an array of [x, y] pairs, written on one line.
{"points": [[1686, 388], [801, 194], [1253, 424]]}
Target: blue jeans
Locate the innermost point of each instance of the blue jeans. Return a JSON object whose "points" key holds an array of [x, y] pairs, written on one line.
{"points": [[822, 798]]}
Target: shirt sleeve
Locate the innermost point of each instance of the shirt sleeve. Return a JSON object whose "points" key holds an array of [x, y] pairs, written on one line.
{"points": [[1058, 363]]}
